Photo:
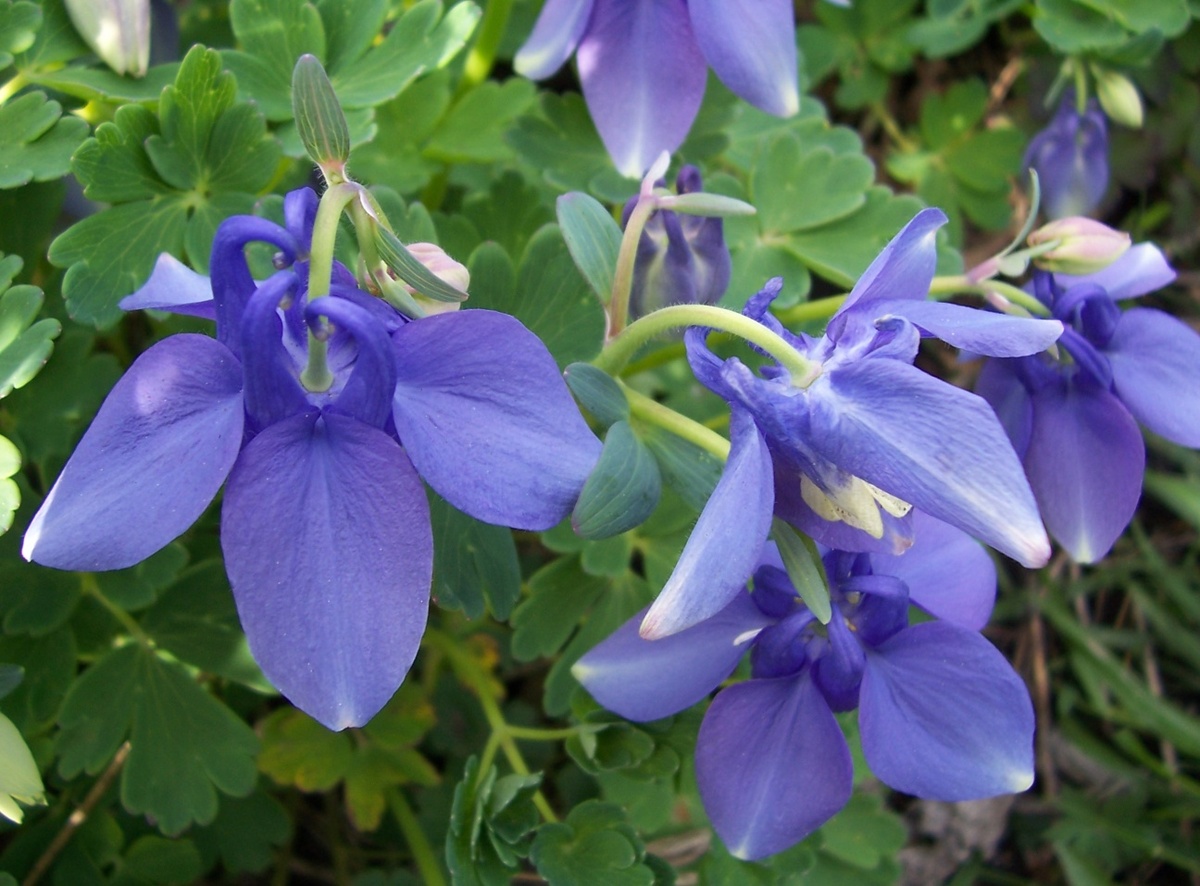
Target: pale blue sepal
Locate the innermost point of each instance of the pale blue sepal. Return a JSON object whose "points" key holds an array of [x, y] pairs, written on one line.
{"points": [[173, 286], [971, 329]]}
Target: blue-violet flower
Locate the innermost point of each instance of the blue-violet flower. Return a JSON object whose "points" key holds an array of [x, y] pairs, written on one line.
{"points": [[643, 64], [1074, 420], [942, 715], [1071, 159], [846, 454], [325, 524]]}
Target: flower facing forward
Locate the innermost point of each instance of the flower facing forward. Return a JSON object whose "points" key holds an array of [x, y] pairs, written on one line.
{"points": [[1071, 159], [325, 524], [643, 64], [1074, 419], [681, 259], [942, 715], [845, 453]]}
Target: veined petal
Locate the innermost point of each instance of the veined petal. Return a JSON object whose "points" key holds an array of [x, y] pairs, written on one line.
{"points": [[173, 286], [751, 45], [159, 449], [943, 716], [905, 267], [555, 35], [271, 388], [1142, 269], [643, 78], [486, 417], [368, 392], [650, 679], [975, 330], [932, 445], [1085, 463], [1001, 386], [948, 573], [232, 284], [723, 549], [1155, 362], [325, 529], [772, 765]]}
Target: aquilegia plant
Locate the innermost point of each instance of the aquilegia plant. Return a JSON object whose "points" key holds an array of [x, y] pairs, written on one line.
{"points": [[844, 444], [942, 715], [1073, 417], [1071, 158], [325, 523]]}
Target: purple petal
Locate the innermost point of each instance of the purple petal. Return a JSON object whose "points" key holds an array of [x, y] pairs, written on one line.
{"points": [[555, 35], [948, 573], [972, 329], [486, 417], [325, 530], [272, 390], [772, 765], [1155, 361], [369, 391], [932, 445], [156, 454], [643, 78], [723, 549], [905, 267], [1000, 385], [1085, 462], [650, 679], [751, 45], [173, 286], [1142, 269], [944, 717], [1071, 159]]}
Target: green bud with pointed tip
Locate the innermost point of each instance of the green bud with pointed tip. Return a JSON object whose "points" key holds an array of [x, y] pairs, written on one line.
{"points": [[319, 118], [1119, 98]]}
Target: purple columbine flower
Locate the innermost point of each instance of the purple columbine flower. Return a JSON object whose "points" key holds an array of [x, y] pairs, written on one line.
{"points": [[1074, 419], [847, 456], [1071, 159], [325, 524], [643, 64], [942, 715], [681, 260]]}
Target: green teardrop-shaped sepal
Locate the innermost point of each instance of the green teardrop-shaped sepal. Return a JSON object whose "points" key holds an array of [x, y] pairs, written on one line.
{"points": [[598, 393], [622, 490], [319, 118], [409, 269], [803, 564], [19, 776]]}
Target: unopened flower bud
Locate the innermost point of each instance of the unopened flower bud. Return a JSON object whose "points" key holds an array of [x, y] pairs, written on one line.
{"points": [[1071, 159], [445, 268], [1084, 246], [681, 259], [117, 30]]}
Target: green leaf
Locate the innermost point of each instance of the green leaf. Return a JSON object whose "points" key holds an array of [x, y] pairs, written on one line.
{"points": [[549, 296], [158, 860], [597, 392], [595, 846], [35, 600], [20, 780], [246, 833], [471, 844], [623, 488], [36, 141], [50, 667], [19, 23], [273, 34], [167, 717], [171, 180], [689, 470], [559, 594], [136, 587], [472, 131], [803, 563], [195, 620], [864, 833], [797, 189], [473, 563], [593, 238], [24, 348]]}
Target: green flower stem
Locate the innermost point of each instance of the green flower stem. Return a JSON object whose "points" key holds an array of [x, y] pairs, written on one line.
{"points": [[618, 303], [892, 128], [622, 348], [943, 287], [483, 53], [653, 412], [414, 835], [316, 375], [484, 686], [128, 622], [811, 311]]}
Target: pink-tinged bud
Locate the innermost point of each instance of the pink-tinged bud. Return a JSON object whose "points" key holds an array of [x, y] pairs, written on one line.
{"points": [[1084, 246], [445, 268]]}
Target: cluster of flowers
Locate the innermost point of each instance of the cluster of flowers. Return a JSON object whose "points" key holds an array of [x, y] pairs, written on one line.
{"points": [[324, 524]]}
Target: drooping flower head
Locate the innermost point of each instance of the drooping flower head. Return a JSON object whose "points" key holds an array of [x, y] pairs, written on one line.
{"points": [[325, 524], [1073, 419], [1071, 159], [942, 715], [643, 64], [680, 259], [845, 454]]}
